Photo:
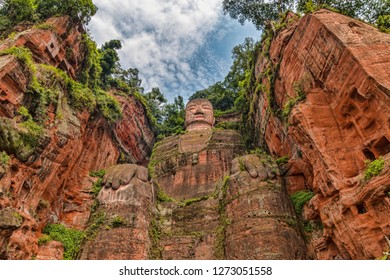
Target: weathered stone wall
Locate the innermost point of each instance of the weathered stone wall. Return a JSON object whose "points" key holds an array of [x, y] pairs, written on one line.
{"points": [[338, 66]]}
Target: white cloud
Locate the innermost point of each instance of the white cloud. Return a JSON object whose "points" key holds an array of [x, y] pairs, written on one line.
{"points": [[159, 38]]}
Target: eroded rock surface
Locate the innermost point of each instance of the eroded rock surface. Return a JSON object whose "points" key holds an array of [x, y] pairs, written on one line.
{"points": [[47, 177], [333, 71]]}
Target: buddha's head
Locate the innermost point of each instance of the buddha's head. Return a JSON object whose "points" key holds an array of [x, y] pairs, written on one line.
{"points": [[199, 114]]}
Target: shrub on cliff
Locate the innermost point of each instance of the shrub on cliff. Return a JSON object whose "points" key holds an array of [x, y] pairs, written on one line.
{"points": [[4, 159], [70, 238], [374, 168], [300, 198]]}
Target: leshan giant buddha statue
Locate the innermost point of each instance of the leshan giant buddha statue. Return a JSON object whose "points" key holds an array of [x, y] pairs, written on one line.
{"points": [[205, 199]]}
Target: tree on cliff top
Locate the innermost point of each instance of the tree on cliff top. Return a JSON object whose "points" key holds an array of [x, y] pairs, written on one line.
{"points": [[81, 10], [262, 12], [13, 12]]}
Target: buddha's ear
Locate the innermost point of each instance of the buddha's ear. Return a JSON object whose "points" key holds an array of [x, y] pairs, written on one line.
{"points": [[213, 120]]}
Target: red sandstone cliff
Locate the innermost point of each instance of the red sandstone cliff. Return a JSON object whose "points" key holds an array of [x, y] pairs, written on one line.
{"points": [[50, 182], [333, 70]]}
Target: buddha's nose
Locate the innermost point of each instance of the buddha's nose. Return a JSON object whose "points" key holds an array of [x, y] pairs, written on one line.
{"points": [[198, 110]]}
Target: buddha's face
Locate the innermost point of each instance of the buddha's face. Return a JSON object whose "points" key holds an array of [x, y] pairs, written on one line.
{"points": [[199, 114]]}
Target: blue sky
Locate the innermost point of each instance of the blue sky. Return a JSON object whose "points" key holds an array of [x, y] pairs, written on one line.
{"points": [[180, 46]]}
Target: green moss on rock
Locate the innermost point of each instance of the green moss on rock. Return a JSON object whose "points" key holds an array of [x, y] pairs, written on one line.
{"points": [[70, 238]]}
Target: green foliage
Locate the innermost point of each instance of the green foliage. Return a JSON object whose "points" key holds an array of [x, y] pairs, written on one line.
{"points": [[219, 95], [369, 11], [260, 13], [228, 125], [23, 111], [118, 221], [189, 201], [34, 130], [374, 168], [96, 187], [90, 69], [224, 94], [108, 105], [4, 159], [24, 55], [44, 239], [301, 95], [17, 140], [109, 59], [27, 137], [156, 102], [13, 12], [99, 173], [282, 160], [95, 222], [79, 10], [264, 14], [307, 226], [245, 102], [163, 197], [312, 226], [155, 235], [128, 81], [44, 26], [70, 238], [40, 95], [258, 151], [290, 105], [173, 118], [383, 23], [242, 165], [82, 97], [300, 198]]}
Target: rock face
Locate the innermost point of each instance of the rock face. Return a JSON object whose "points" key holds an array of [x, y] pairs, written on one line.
{"points": [[53, 250], [46, 180], [329, 96]]}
